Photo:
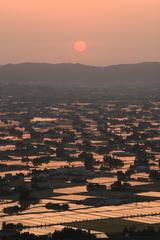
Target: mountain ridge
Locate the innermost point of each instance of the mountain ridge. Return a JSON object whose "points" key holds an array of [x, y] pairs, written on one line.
{"points": [[79, 75]]}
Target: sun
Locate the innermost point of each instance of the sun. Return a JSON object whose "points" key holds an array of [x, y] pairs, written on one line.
{"points": [[80, 46]]}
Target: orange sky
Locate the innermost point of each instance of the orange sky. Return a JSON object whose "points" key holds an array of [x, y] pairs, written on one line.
{"points": [[116, 31]]}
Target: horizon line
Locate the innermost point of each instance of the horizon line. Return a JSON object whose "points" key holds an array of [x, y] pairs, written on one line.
{"points": [[77, 63]]}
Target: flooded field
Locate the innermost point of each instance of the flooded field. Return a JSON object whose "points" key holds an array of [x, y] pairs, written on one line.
{"points": [[70, 163]]}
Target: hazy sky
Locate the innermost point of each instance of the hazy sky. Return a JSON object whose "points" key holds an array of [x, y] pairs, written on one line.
{"points": [[116, 31]]}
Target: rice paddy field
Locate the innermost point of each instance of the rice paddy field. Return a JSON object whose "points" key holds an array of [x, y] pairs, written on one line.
{"points": [[31, 133]]}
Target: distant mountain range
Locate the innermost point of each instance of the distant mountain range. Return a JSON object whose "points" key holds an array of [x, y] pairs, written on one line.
{"points": [[77, 75]]}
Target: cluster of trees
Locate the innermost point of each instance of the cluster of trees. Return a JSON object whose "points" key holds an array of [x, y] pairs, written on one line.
{"points": [[134, 234], [141, 155], [25, 199], [25, 148], [12, 210], [63, 154], [41, 160], [124, 176], [120, 186], [72, 234], [95, 187], [57, 206], [111, 163], [154, 175], [15, 231], [88, 160]]}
